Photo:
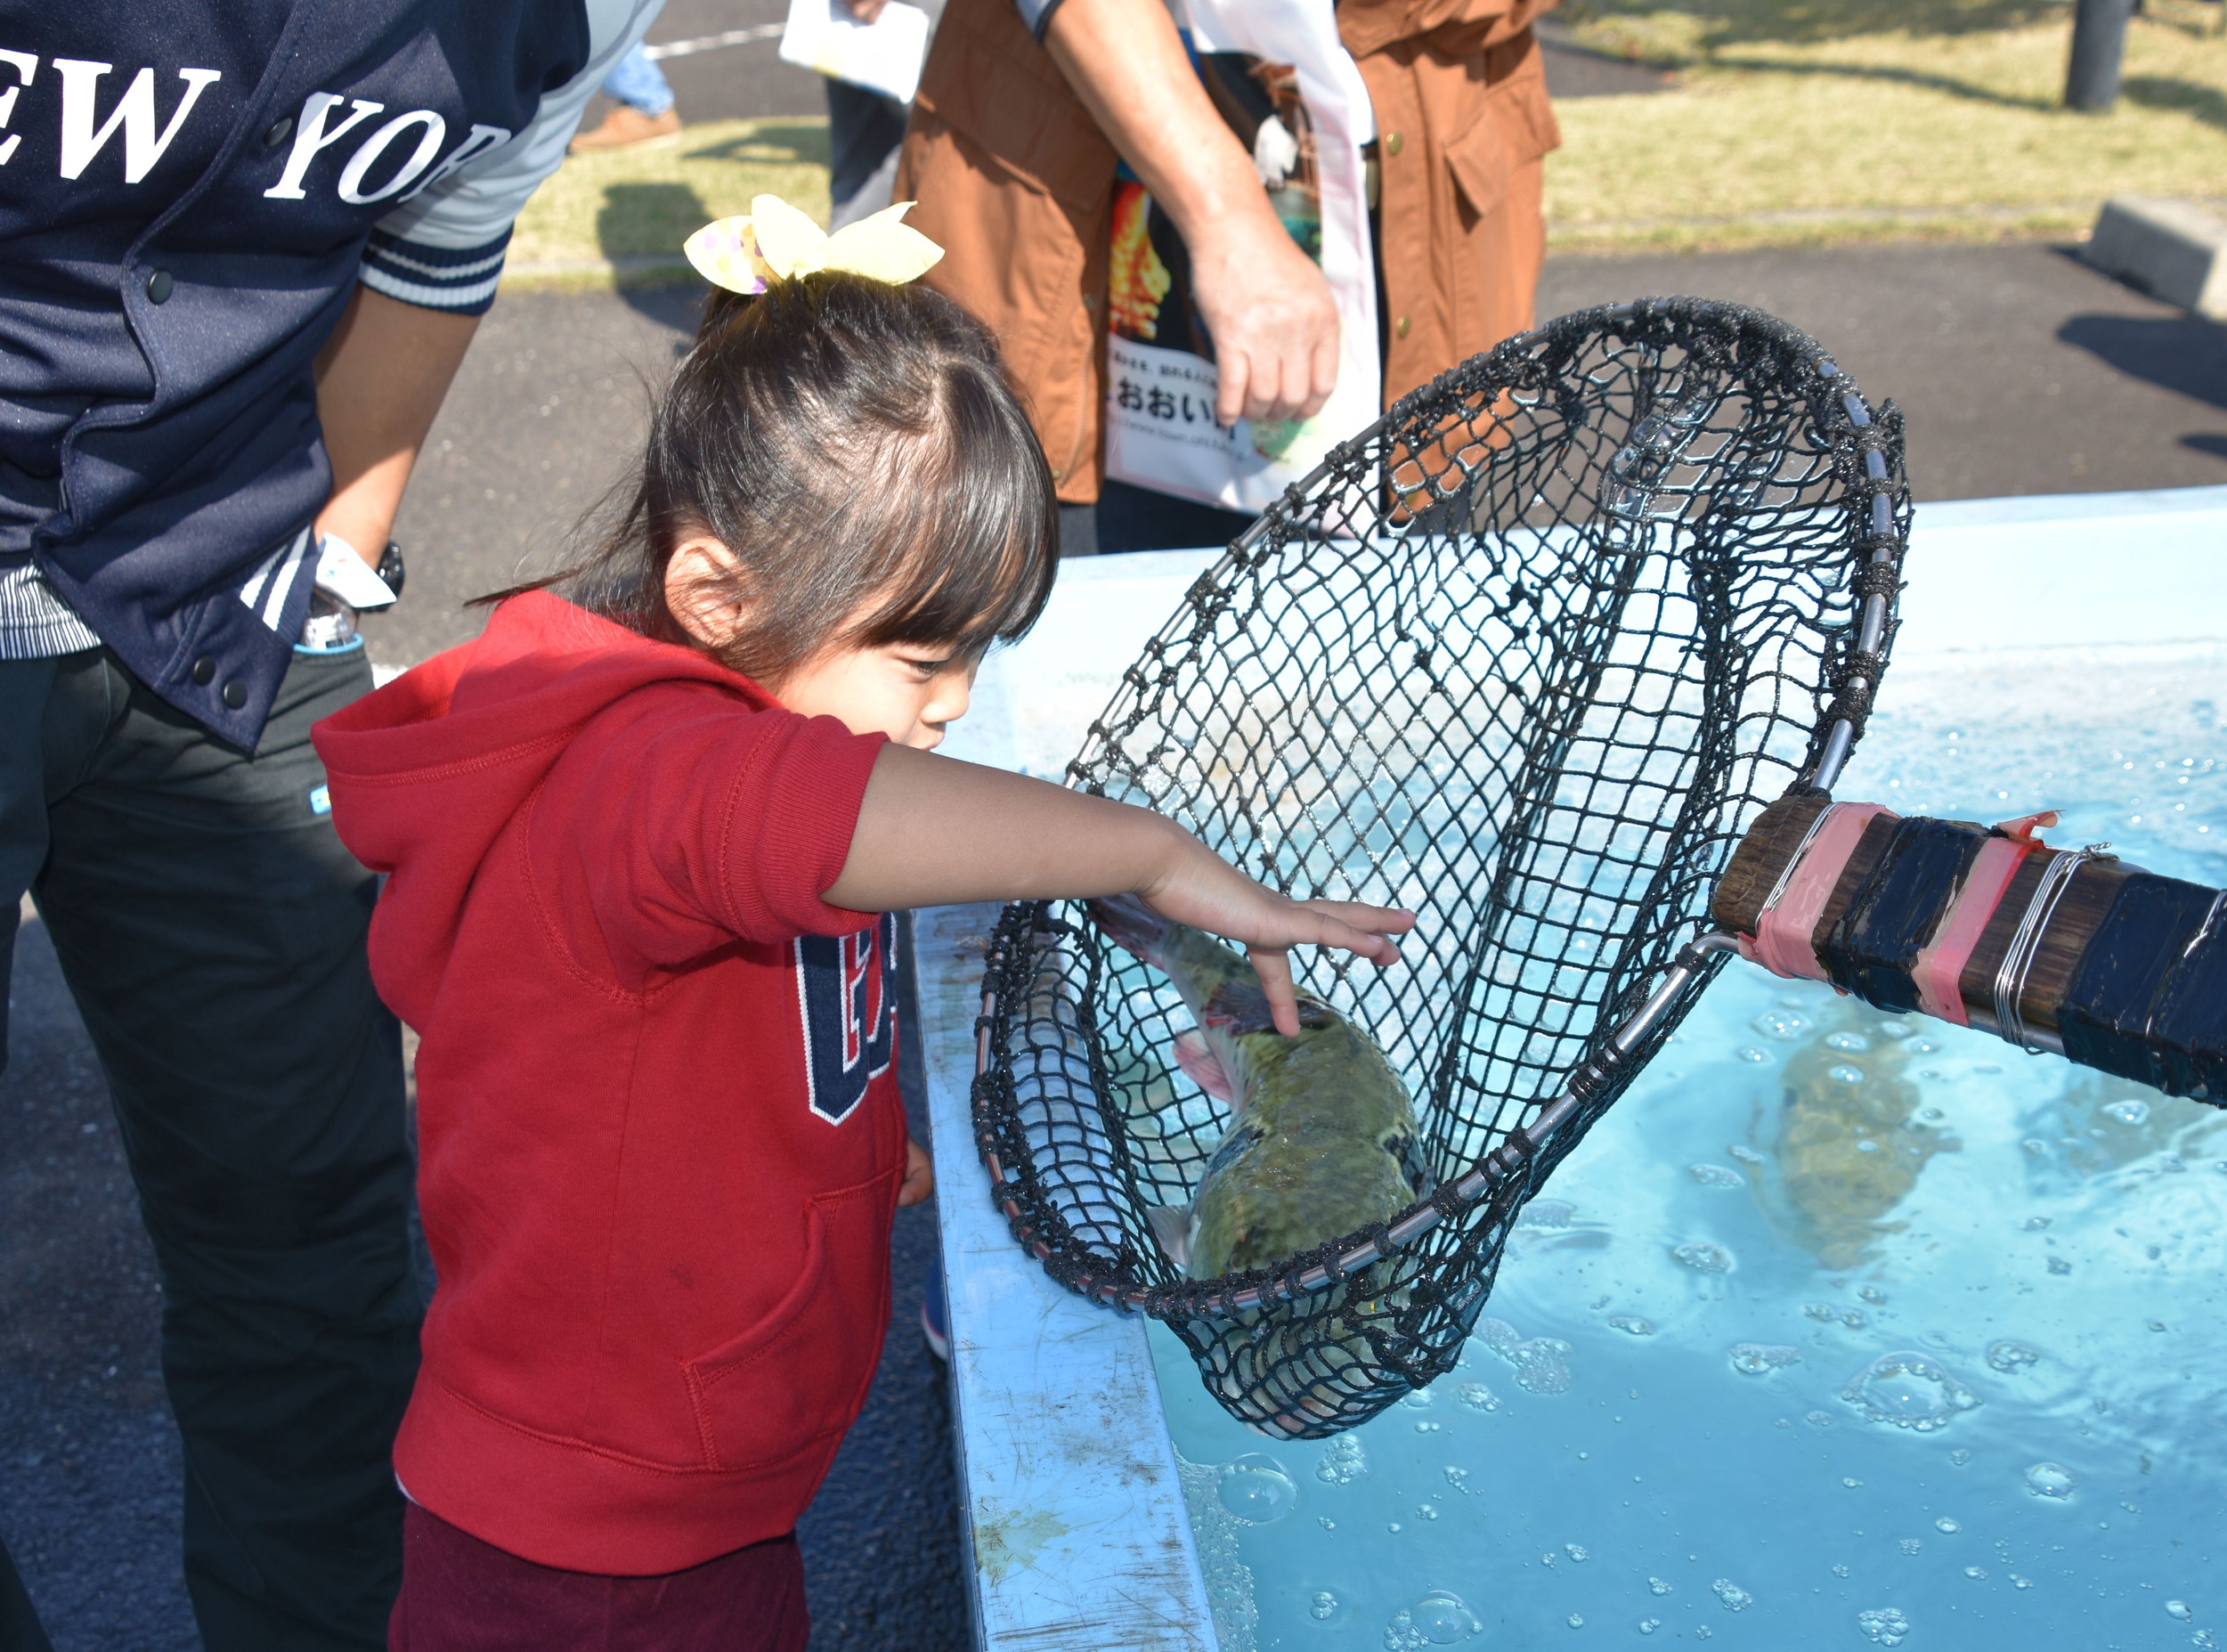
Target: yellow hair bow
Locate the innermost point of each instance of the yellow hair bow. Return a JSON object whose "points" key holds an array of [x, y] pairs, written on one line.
{"points": [[774, 241]]}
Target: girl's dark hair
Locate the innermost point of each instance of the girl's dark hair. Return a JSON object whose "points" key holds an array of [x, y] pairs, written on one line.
{"points": [[852, 442]]}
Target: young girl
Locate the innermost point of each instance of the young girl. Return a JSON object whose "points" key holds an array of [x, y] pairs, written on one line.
{"points": [[642, 840]]}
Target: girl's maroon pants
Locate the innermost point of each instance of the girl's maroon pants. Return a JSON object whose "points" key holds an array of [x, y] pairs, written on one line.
{"points": [[462, 1595]]}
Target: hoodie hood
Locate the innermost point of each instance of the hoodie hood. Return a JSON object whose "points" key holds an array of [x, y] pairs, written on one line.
{"points": [[426, 772]]}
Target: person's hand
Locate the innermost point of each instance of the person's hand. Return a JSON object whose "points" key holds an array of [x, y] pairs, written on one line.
{"points": [[920, 1175], [866, 11], [1274, 321], [1206, 893]]}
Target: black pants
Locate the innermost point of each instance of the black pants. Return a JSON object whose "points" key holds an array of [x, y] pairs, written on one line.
{"points": [[211, 927]]}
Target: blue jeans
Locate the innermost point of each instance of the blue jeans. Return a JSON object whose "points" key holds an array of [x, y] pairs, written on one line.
{"points": [[636, 81]]}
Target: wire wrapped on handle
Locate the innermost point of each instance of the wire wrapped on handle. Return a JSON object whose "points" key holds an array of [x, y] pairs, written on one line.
{"points": [[1528, 656]]}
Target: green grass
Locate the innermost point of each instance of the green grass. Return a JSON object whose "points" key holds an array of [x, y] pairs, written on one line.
{"points": [[623, 217], [1803, 121]]}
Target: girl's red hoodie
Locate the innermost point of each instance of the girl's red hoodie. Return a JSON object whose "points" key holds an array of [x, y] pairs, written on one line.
{"points": [[660, 1140]]}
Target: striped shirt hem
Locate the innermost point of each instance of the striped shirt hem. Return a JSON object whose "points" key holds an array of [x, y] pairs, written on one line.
{"points": [[34, 622]]}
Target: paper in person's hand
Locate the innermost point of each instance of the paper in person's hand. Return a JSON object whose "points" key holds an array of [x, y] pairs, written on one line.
{"points": [[882, 56]]}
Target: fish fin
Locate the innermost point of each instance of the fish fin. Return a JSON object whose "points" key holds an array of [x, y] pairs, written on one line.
{"points": [[1197, 1058], [1171, 1225]]}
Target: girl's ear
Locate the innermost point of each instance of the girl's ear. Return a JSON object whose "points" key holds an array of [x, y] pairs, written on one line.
{"points": [[705, 591]]}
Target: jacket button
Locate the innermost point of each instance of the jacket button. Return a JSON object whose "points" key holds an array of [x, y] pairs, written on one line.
{"points": [[1394, 143], [235, 694], [1399, 328], [204, 669], [280, 131], [1058, 475], [158, 286], [1090, 301]]}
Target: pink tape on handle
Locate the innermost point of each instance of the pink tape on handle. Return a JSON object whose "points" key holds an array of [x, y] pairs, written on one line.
{"points": [[1941, 961], [1783, 932]]}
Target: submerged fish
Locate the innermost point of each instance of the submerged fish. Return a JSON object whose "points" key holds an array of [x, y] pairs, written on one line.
{"points": [[1323, 1140]]}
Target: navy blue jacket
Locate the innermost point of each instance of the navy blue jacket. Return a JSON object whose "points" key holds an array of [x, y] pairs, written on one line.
{"points": [[187, 190]]}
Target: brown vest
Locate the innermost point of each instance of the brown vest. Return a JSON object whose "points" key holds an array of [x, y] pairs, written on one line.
{"points": [[1016, 183]]}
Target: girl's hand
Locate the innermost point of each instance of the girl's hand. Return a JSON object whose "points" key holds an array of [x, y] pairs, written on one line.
{"points": [[1206, 893], [920, 1175]]}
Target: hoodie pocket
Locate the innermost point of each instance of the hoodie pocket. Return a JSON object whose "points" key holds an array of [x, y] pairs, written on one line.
{"points": [[801, 1372]]}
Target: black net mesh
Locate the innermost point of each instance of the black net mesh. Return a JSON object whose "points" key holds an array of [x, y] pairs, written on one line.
{"points": [[1527, 657]]}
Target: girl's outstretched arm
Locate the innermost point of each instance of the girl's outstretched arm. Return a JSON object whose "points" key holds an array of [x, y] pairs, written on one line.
{"points": [[934, 830]]}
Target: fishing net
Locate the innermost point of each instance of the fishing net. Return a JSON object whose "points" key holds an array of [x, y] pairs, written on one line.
{"points": [[1526, 656]]}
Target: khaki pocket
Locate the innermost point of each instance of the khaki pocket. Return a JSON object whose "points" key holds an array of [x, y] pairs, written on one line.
{"points": [[801, 1373], [1516, 126]]}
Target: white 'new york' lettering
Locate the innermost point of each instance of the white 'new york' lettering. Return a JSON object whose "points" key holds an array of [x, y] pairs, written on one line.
{"points": [[25, 65], [479, 141], [310, 136], [134, 111], [361, 163]]}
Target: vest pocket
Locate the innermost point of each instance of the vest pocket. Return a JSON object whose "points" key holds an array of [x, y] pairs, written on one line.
{"points": [[801, 1373]]}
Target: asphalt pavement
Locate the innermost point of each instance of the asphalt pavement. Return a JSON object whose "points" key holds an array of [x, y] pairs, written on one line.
{"points": [[2020, 371]]}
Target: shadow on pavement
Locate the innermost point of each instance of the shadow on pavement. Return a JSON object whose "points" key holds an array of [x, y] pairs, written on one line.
{"points": [[2177, 353]]}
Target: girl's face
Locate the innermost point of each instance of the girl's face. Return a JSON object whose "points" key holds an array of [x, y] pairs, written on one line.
{"points": [[905, 690]]}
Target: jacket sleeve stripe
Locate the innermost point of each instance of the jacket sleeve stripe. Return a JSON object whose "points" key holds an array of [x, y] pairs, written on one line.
{"points": [[435, 278]]}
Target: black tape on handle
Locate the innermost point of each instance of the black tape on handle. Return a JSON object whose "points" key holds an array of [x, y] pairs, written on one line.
{"points": [[2148, 999], [1873, 946]]}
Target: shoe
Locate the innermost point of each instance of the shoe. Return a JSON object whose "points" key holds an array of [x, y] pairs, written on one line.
{"points": [[935, 1318], [627, 127]]}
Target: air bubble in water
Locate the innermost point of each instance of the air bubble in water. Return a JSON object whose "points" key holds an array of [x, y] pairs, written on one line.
{"points": [[1873, 1294], [1577, 1551], [1439, 1619], [1819, 1419], [1911, 1545], [1736, 1599], [1948, 1523], [1716, 1176], [2051, 1479], [1756, 1359], [1824, 1313], [2009, 1355], [1417, 1399], [1747, 1155], [1342, 1461], [1921, 1046], [2058, 1264], [1255, 1489], [1324, 1607], [1784, 1025], [1884, 1625], [2021, 1583], [1854, 1043], [1575, 1621], [1648, 1626], [1845, 1072], [1853, 1318], [1895, 1029], [1631, 1326], [1477, 1397], [1908, 1390], [1960, 1457], [1749, 1052], [2180, 1610], [2133, 1110], [1656, 1586], [1702, 1257], [1975, 1573]]}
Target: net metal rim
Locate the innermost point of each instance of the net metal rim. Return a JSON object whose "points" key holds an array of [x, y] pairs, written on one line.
{"points": [[1833, 398]]}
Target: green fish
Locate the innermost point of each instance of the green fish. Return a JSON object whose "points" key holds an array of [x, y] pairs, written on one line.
{"points": [[1323, 1141]]}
